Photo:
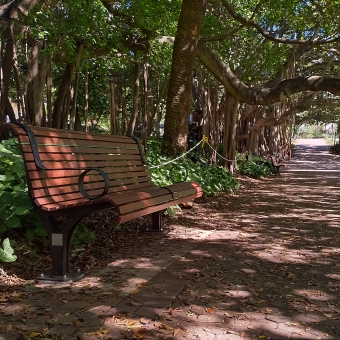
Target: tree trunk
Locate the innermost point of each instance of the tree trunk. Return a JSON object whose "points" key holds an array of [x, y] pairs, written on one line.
{"points": [[86, 108], [124, 121], [134, 114], [20, 100], [74, 101], [113, 118], [35, 80], [7, 64], [156, 111], [49, 88], [229, 145], [65, 87], [183, 61], [146, 113]]}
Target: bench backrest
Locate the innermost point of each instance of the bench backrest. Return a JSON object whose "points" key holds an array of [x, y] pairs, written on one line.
{"points": [[66, 154]]}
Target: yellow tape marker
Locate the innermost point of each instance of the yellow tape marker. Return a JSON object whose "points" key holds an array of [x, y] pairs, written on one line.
{"points": [[205, 139]]}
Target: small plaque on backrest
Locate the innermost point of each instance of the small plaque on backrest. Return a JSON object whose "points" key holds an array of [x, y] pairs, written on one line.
{"points": [[57, 239]]}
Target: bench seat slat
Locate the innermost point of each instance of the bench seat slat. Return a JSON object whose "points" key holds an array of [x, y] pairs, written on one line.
{"points": [[48, 203], [125, 198], [149, 202], [149, 210], [139, 200], [143, 203]]}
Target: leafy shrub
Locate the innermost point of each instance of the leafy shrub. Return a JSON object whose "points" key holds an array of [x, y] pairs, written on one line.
{"points": [[15, 206], [213, 179], [14, 201], [254, 166]]}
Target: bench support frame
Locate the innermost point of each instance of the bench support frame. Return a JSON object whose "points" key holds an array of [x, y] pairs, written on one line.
{"points": [[156, 222], [60, 239]]}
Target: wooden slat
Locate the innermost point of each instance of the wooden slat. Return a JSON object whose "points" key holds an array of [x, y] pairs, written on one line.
{"points": [[116, 191], [60, 198], [45, 132], [141, 201], [135, 196], [91, 189], [46, 205], [82, 165], [182, 189], [115, 179], [67, 157], [125, 186], [34, 174], [131, 144], [114, 149], [150, 210]]}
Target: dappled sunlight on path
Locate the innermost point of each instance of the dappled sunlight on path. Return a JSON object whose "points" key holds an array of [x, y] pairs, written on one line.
{"points": [[312, 155]]}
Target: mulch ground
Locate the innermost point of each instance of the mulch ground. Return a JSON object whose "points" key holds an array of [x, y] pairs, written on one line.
{"points": [[262, 263]]}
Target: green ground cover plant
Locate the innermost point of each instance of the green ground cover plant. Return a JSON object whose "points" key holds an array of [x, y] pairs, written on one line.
{"points": [[213, 179], [254, 166]]}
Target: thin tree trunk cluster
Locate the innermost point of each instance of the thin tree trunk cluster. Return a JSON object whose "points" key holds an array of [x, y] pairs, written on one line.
{"points": [[238, 128]]}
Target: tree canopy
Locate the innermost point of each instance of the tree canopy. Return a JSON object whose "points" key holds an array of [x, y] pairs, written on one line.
{"points": [[260, 53]]}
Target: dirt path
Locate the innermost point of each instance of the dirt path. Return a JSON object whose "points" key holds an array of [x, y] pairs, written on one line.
{"points": [[259, 264]]}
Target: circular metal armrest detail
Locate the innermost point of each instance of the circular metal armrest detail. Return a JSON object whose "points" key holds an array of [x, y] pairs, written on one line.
{"points": [[81, 183]]}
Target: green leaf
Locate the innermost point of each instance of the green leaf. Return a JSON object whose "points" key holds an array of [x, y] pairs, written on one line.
{"points": [[13, 222], [7, 177], [22, 211], [170, 211], [6, 253]]}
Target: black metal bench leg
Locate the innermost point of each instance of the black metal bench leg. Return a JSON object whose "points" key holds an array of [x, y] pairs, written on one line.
{"points": [[60, 239], [156, 221]]}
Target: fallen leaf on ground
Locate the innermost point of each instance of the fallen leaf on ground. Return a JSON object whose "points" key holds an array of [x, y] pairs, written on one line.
{"points": [[167, 327], [144, 320], [176, 331], [129, 322]]}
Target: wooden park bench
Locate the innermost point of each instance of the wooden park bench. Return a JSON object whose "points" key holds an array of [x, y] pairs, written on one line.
{"points": [[71, 174], [276, 164]]}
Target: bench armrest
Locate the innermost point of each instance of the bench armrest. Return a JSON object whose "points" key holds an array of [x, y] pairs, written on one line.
{"points": [[81, 183]]}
